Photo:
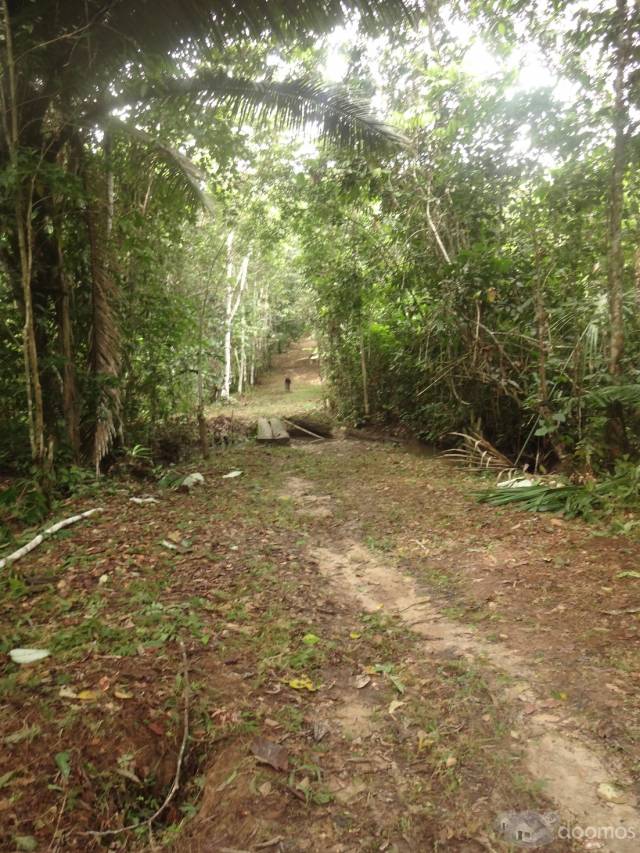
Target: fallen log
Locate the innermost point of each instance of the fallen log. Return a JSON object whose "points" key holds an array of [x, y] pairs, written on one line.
{"points": [[305, 430], [30, 546], [299, 427]]}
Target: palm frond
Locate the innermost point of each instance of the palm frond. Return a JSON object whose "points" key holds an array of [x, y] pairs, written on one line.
{"points": [[626, 395], [127, 28], [167, 159], [478, 453], [166, 22], [292, 104], [536, 498]]}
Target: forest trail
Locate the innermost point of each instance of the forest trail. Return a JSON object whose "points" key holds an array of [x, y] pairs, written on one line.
{"points": [[570, 766], [375, 661], [269, 397]]}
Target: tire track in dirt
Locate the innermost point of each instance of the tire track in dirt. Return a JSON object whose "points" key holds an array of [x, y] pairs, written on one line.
{"points": [[571, 766]]}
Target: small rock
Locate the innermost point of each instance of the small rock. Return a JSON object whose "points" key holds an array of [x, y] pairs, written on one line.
{"points": [[190, 481], [611, 794]]}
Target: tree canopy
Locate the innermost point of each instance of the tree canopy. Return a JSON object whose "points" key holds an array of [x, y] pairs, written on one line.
{"points": [[186, 184]]}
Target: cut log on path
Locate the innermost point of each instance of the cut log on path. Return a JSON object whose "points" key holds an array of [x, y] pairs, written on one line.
{"points": [[296, 429], [307, 426], [272, 431]]}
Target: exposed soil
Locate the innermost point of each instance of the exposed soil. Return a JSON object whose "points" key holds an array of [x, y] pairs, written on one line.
{"points": [[426, 662]]}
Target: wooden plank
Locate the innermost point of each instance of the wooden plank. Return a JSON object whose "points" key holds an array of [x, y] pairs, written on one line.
{"points": [[272, 431], [265, 433], [279, 431]]}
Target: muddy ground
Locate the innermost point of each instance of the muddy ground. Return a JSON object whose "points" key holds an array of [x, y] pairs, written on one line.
{"points": [[336, 650]]}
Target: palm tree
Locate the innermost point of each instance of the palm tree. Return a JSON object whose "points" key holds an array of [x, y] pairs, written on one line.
{"points": [[61, 62]]}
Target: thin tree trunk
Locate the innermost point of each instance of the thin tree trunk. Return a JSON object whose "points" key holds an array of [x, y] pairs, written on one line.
{"points": [[365, 382], [226, 382], [236, 359], [637, 277], [202, 423], [69, 386], [252, 363], [106, 353], [242, 370], [234, 296], [544, 408], [203, 432], [65, 342], [615, 431], [616, 198], [22, 208]]}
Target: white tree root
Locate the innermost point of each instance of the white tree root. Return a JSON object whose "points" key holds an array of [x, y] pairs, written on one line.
{"points": [[30, 546]]}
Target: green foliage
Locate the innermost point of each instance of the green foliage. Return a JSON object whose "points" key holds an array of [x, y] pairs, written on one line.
{"points": [[24, 502], [467, 275], [606, 497], [458, 279]]}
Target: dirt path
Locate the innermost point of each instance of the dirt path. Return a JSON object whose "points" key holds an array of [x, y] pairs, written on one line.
{"points": [[270, 397], [576, 770], [415, 665]]}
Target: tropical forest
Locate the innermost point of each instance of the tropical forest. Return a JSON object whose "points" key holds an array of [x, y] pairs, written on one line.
{"points": [[320, 426]]}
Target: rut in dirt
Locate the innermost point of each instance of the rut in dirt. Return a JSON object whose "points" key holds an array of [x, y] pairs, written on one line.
{"points": [[592, 786]]}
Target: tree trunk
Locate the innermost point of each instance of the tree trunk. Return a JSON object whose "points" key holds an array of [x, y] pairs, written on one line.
{"points": [[637, 277], [365, 382], [65, 342], [105, 350], [228, 320], [23, 209], [226, 382], [615, 432], [616, 198], [234, 296], [203, 432], [69, 386], [242, 370], [252, 363], [544, 408]]}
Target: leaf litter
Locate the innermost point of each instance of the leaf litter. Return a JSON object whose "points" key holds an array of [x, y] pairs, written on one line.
{"points": [[415, 756]]}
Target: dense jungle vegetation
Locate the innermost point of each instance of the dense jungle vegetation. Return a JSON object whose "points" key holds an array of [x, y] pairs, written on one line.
{"points": [[446, 194]]}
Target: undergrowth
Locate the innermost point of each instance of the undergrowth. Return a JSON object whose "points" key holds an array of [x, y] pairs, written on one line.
{"points": [[608, 497]]}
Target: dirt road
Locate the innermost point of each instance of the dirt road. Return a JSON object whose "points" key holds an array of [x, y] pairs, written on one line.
{"points": [[375, 662]]}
